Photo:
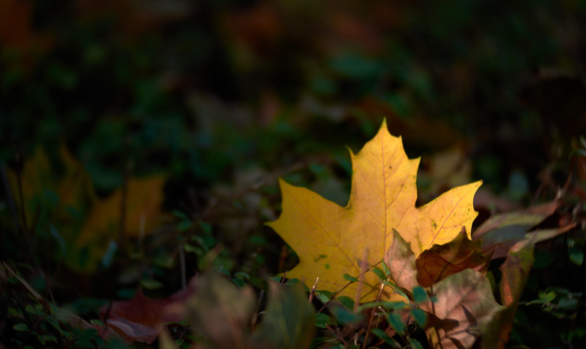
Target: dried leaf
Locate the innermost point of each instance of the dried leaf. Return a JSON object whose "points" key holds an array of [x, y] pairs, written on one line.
{"points": [[515, 271], [382, 199], [464, 308], [442, 261], [141, 318], [221, 312], [501, 232]]}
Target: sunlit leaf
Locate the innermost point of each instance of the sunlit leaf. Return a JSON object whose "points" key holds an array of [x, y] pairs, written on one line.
{"points": [[382, 199]]}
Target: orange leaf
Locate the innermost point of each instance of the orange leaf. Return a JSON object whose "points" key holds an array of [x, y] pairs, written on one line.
{"points": [[442, 261], [330, 240]]}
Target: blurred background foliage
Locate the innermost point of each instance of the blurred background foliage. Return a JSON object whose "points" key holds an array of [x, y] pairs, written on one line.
{"points": [[197, 107]]}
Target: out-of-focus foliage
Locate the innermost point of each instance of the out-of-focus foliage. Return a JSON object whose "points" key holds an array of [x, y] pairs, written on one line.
{"points": [[220, 98]]}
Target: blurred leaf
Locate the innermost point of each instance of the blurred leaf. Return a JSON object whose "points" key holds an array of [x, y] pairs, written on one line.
{"points": [[289, 319], [20, 327], [576, 256], [220, 311], [420, 316], [141, 318], [515, 271], [87, 224], [321, 320], [397, 322]]}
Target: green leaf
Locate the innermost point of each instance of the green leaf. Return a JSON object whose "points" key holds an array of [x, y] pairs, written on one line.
{"points": [[397, 323], [419, 294], [346, 301], [239, 282], [346, 317], [150, 284], [97, 322], [20, 327], [108, 257], [324, 295], [381, 274], [384, 336], [321, 320], [276, 278], [420, 316], [576, 256], [350, 278], [289, 319], [415, 344], [385, 305], [243, 276]]}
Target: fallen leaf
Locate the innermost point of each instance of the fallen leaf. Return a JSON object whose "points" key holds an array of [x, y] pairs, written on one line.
{"points": [[221, 312], [442, 261], [501, 232], [401, 263], [141, 318], [144, 199], [515, 271], [288, 321], [330, 240], [67, 199], [464, 308]]}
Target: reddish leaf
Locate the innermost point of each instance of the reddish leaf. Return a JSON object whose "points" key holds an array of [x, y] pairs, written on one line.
{"points": [[442, 261], [142, 318], [465, 307]]}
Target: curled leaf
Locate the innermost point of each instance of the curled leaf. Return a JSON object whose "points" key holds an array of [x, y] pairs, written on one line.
{"points": [[442, 261]]}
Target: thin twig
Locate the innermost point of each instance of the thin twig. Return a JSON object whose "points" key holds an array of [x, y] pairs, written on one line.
{"points": [[313, 290], [380, 292]]}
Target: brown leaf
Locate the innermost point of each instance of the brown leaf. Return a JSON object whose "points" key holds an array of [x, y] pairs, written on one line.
{"points": [[221, 312], [442, 261], [142, 318], [465, 306]]}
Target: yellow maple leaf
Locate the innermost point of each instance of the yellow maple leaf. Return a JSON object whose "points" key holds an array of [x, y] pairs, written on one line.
{"points": [[331, 240]]}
